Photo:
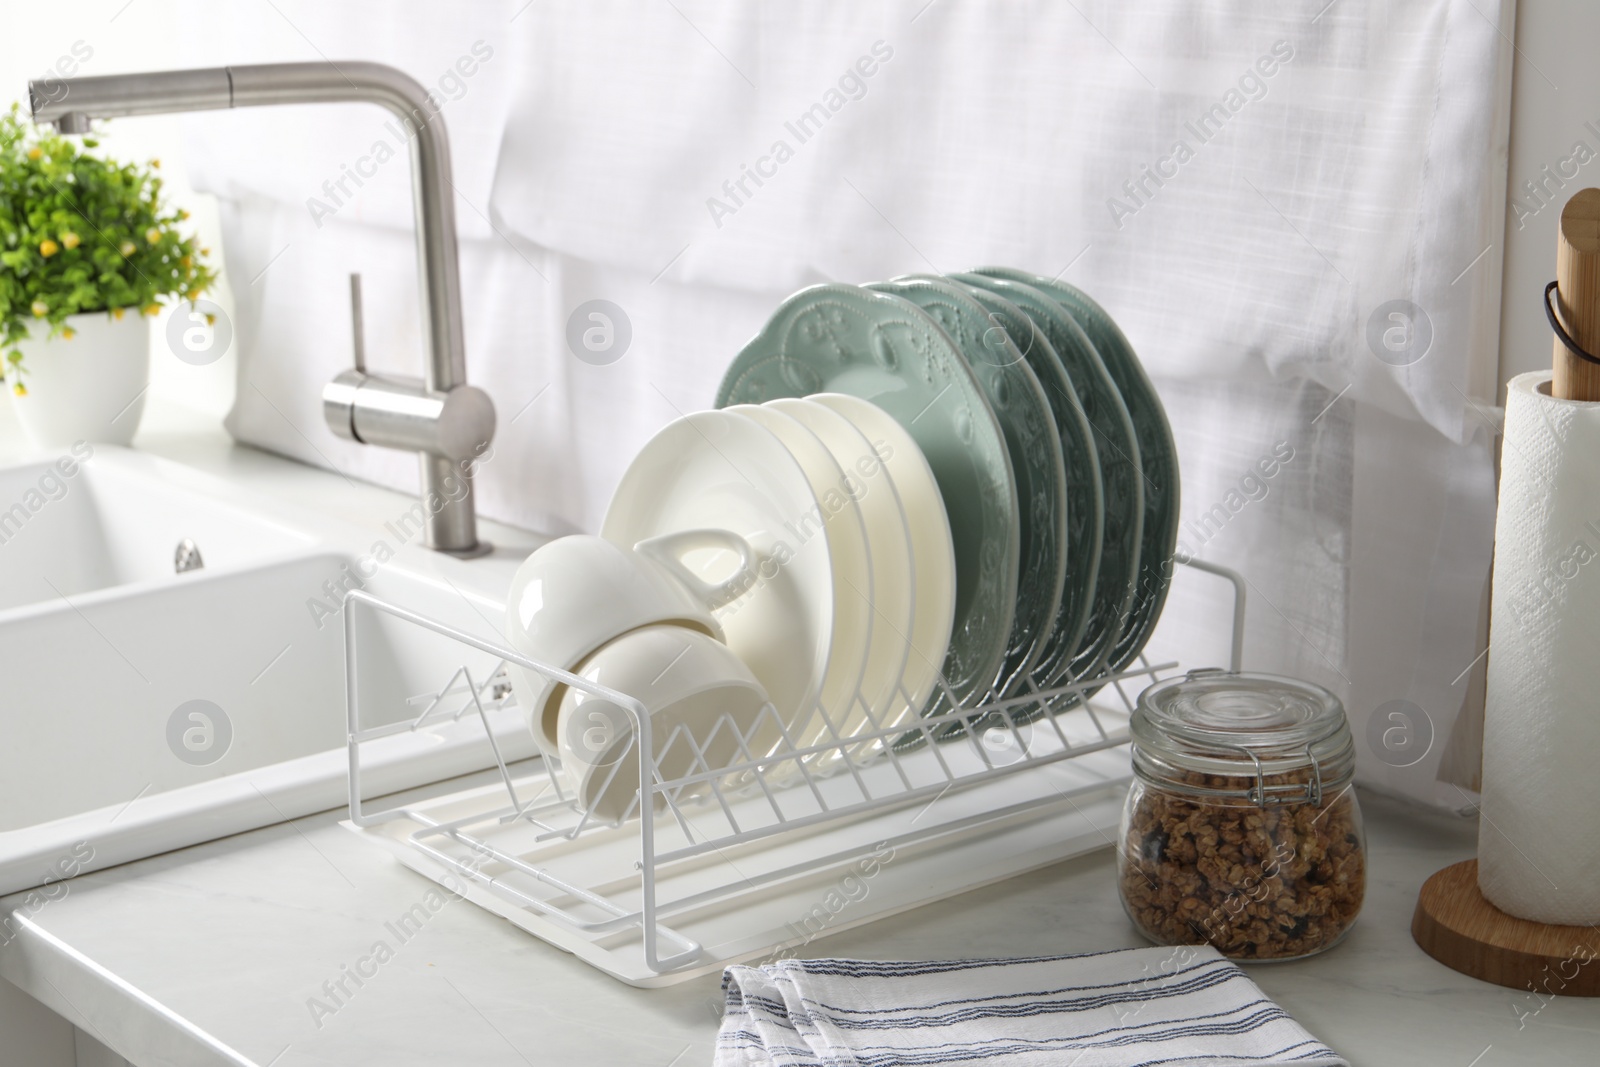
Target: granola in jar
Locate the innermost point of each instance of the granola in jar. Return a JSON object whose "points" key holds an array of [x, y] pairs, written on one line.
{"points": [[1241, 829]]}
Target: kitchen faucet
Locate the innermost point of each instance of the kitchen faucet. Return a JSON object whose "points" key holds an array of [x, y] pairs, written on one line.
{"points": [[447, 421]]}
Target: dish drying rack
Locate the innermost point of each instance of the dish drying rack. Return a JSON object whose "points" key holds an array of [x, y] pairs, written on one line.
{"points": [[754, 859]]}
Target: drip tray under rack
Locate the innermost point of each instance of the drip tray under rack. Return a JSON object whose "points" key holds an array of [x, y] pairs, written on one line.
{"points": [[801, 884]]}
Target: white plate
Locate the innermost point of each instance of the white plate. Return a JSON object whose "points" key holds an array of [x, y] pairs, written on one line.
{"points": [[884, 702], [933, 556], [719, 470], [837, 518]]}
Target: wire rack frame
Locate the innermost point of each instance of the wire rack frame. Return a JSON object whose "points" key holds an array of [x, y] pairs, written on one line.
{"points": [[761, 794]]}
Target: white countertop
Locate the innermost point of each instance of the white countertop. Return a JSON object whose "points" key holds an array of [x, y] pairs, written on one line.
{"points": [[212, 954]]}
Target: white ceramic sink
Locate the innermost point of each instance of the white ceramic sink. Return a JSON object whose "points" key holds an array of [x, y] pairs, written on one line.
{"points": [[113, 523], [145, 709]]}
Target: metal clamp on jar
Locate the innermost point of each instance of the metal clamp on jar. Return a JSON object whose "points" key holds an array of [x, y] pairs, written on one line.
{"points": [[1242, 828]]}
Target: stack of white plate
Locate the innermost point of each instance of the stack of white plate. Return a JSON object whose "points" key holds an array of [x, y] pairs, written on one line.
{"points": [[847, 620]]}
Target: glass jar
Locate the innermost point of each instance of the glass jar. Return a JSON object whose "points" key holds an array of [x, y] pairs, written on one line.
{"points": [[1242, 829]]}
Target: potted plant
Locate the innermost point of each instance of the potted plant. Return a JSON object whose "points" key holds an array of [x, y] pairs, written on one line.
{"points": [[87, 251]]}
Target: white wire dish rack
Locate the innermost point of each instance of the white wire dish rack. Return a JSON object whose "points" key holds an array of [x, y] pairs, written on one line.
{"points": [[743, 861]]}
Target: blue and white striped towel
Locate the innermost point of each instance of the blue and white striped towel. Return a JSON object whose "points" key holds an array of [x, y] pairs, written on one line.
{"points": [[1168, 1006]]}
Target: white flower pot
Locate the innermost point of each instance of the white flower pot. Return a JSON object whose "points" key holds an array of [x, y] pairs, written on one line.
{"points": [[89, 388]]}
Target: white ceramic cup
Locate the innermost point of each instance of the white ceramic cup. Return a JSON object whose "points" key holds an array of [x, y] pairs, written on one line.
{"points": [[701, 701], [576, 593]]}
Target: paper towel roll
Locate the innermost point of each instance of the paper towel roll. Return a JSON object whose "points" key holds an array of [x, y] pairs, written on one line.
{"points": [[1539, 837]]}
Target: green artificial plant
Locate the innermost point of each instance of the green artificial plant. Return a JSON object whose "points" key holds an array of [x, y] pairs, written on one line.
{"points": [[79, 234]]}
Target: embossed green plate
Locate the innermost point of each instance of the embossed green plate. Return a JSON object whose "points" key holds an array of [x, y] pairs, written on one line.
{"points": [[1086, 506], [1158, 456], [882, 348], [1019, 402], [1118, 451]]}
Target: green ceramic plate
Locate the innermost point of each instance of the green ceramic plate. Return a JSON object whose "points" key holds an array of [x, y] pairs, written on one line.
{"points": [[1158, 456], [1019, 402], [1118, 450], [1086, 507], [843, 339]]}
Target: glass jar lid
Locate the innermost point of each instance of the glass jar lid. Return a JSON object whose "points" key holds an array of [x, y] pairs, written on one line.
{"points": [[1260, 736]]}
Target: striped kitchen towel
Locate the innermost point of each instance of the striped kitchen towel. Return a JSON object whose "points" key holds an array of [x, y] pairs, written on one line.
{"points": [[1170, 1006]]}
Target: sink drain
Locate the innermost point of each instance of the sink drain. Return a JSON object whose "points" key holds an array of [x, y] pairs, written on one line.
{"points": [[186, 557]]}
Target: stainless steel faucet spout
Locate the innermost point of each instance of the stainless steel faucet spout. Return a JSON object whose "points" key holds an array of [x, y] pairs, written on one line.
{"points": [[71, 103]]}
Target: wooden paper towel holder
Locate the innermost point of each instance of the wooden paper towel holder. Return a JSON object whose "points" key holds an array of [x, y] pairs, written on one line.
{"points": [[1454, 923]]}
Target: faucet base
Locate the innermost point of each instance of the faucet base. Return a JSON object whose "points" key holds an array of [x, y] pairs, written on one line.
{"points": [[482, 548]]}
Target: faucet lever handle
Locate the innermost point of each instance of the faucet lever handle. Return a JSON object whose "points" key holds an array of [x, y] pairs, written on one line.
{"points": [[357, 323]]}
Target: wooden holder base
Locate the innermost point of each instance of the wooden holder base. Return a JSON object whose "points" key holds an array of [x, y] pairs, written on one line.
{"points": [[1456, 926]]}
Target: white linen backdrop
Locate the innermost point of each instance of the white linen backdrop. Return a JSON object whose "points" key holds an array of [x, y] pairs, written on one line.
{"points": [[1243, 186]]}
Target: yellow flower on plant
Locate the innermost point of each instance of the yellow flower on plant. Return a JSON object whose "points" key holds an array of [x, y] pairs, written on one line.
{"points": [[127, 248], [182, 214], [185, 260], [205, 251], [153, 235], [116, 313], [68, 333], [35, 154], [20, 389], [70, 240], [151, 309], [48, 248], [40, 309], [156, 163]]}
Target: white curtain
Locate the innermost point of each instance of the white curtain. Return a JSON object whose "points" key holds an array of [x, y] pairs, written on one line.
{"points": [[1255, 192]]}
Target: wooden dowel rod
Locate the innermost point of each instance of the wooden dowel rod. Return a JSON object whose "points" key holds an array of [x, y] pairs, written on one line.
{"points": [[1578, 297]]}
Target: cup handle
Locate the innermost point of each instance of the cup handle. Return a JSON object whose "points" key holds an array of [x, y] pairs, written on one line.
{"points": [[668, 550]]}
